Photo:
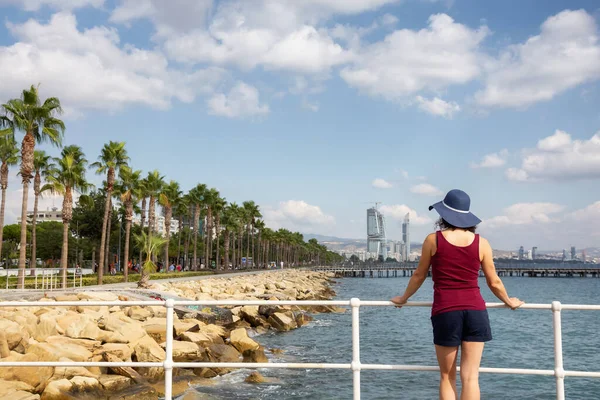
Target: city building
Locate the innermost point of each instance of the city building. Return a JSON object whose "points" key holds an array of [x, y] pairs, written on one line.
{"points": [[159, 225], [573, 253], [53, 214], [534, 253], [376, 240], [406, 238], [521, 253], [530, 254], [564, 255]]}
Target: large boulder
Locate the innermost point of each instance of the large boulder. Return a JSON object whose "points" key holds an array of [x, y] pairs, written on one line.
{"points": [[90, 345], [282, 322], [71, 372], [85, 327], [22, 395], [184, 351], [139, 313], [57, 390], [217, 353], [122, 351], [9, 387], [15, 334], [46, 327], [199, 338], [33, 376], [51, 352], [240, 340], [129, 329], [255, 355], [146, 349], [156, 332], [114, 383], [185, 326], [101, 296], [252, 315], [85, 384]]}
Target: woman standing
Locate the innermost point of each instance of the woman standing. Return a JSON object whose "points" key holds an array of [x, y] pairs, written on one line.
{"points": [[458, 315]]}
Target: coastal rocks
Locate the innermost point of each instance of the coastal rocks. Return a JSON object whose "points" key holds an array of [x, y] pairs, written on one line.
{"points": [[57, 390], [283, 322], [184, 351], [240, 340], [217, 353], [199, 338], [255, 377], [114, 383], [33, 376], [10, 387], [255, 355]]}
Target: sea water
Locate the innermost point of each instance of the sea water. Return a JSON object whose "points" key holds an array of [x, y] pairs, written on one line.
{"points": [[522, 339]]}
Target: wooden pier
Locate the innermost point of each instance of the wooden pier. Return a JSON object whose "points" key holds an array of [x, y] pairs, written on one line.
{"points": [[397, 270]]}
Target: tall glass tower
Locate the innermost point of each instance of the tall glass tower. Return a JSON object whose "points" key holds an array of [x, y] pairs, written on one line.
{"points": [[406, 237], [376, 240]]}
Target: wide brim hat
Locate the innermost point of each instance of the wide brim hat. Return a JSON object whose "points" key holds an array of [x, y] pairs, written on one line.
{"points": [[455, 209]]}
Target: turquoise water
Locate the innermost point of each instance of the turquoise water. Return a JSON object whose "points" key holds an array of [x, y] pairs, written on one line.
{"points": [[522, 339]]}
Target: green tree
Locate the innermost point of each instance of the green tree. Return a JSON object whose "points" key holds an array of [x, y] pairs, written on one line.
{"points": [[113, 156], [251, 212], [218, 206], [168, 198], [151, 245], [9, 155], [129, 190], [196, 196], [50, 239], [42, 163], [153, 186], [38, 122], [66, 177]]}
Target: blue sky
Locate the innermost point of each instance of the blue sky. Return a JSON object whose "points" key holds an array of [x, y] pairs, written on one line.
{"points": [[315, 108]]}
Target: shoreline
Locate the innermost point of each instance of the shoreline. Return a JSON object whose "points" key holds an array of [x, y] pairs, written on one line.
{"points": [[132, 333]]}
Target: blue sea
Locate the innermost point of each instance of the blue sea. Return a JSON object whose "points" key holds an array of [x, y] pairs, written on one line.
{"points": [[522, 339]]}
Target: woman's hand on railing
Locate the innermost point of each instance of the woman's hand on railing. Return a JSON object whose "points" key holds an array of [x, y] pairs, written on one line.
{"points": [[515, 303], [399, 301]]}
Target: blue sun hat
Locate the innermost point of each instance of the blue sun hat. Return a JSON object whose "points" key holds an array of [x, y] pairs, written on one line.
{"points": [[455, 209]]}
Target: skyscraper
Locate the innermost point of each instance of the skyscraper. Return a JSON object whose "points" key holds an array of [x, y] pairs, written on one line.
{"points": [[533, 252], [406, 238], [521, 253], [573, 253], [376, 240]]}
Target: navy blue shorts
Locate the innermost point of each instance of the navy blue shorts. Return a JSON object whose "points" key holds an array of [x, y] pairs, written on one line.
{"points": [[454, 327]]}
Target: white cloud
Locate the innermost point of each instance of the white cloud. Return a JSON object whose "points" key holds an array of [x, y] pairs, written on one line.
{"points": [[399, 211], [559, 157], [14, 198], [241, 101], [437, 106], [389, 19], [381, 184], [426, 189], [493, 160], [36, 5], [307, 105], [525, 213], [90, 69], [407, 62], [565, 54], [297, 215]]}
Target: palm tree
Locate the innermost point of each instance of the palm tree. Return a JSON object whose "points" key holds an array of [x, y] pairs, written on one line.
{"points": [[181, 211], [143, 196], [42, 163], [38, 121], [113, 156], [66, 177], [197, 197], [153, 186], [217, 207], [252, 212], [209, 199], [128, 189], [169, 197], [151, 245], [9, 155], [260, 226]]}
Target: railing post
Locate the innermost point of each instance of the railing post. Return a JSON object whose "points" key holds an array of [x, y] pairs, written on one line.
{"points": [[355, 304], [559, 371], [168, 364]]}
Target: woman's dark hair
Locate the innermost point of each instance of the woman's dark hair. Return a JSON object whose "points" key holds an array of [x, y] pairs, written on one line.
{"points": [[443, 225]]}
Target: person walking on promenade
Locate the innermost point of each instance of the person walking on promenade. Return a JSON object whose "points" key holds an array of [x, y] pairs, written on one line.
{"points": [[459, 317]]}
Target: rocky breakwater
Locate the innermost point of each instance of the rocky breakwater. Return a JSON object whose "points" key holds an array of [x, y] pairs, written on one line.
{"points": [[132, 333]]}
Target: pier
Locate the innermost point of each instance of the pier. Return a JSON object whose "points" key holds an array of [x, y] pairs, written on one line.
{"points": [[398, 270]]}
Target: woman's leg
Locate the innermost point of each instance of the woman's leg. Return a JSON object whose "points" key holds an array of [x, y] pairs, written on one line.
{"points": [[470, 359], [447, 360]]}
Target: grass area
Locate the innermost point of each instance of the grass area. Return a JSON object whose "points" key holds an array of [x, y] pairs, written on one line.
{"points": [[89, 280]]}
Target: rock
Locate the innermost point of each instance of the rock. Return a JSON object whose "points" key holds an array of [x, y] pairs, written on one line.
{"points": [[302, 319], [51, 352], [217, 353], [14, 333], [122, 351], [158, 311], [9, 387], [240, 340], [136, 392], [212, 330], [85, 384], [102, 296], [21, 395], [282, 322], [157, 332], [139, 313], [124, 371], [252, 315], [255, 377], [184, 351], [114, 383], [66, 297], [201, 339], [71, 372], [255, 355], [181, 327], [129, 329], [46, 327], [57, 390], [276, 351], [146, 349], [90, 345], [33, 376]]}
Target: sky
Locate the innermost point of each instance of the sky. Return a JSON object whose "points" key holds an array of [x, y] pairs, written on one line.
{"points": [[316, 109]]}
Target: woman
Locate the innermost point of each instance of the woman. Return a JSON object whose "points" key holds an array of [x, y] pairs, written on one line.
{"points": [[458, 315]]}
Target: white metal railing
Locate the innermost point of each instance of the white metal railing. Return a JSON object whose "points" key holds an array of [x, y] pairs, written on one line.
{"points": [[355, 365], [46, 278]]}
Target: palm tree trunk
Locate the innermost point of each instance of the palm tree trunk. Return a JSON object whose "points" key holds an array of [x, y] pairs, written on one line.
{"points": [[240, 235], [107, 239], [143, 218], [36, 189], [2, 220], [64, 254], [233, 258], [151, 220], [226, 247], [248, 243], [179, 233], [253, 260], [217, 260], [186, 249], [126, 251], [23, 245], [196, 226], [168, 214], [103, 239]]}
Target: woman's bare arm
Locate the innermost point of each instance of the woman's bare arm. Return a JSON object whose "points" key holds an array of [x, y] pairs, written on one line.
{"points": [[420, 273], [493, 280]]}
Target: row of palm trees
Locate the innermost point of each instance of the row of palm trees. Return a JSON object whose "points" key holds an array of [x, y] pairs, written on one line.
{"points": [[208, 215]]}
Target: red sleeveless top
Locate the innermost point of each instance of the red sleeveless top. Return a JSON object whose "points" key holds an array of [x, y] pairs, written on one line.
{"points": [[455, 273]]}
